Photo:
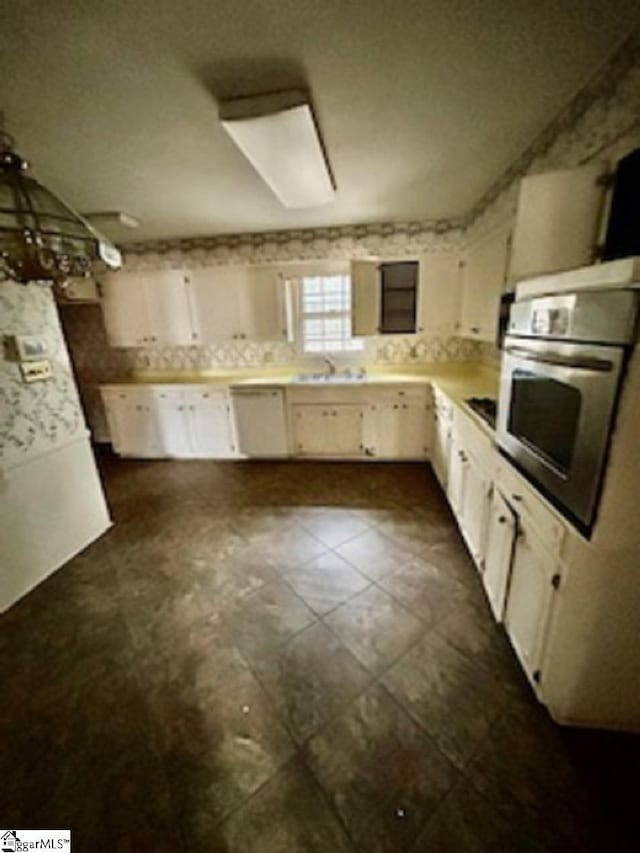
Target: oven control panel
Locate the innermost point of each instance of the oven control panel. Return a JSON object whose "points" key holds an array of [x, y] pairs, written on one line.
{"points": [[550, 321]]}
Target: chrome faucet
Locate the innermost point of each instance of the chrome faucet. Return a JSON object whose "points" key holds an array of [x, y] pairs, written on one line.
{"points": [[331, 365]]}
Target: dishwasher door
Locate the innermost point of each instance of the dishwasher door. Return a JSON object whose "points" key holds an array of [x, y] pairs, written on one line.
{"points": [[261, 421]]}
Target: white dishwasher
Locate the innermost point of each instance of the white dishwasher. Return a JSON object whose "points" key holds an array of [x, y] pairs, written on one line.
{"points": [[261, 421]]}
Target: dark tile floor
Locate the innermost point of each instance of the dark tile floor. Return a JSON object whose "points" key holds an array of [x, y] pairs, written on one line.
{"points": [[288, 658]]}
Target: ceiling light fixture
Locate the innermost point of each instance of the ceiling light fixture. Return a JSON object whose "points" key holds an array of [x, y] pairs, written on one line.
{"points": [[41, 239], [114, 218], [278, 134]]}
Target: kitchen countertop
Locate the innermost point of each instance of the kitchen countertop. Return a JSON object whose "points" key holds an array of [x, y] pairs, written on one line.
{"points": [[457, 381]]}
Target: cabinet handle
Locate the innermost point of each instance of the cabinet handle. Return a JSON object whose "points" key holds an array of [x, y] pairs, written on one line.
{"points": [[396, 406], [517, 498], [475, 330], [181, 408], [502, 519]]}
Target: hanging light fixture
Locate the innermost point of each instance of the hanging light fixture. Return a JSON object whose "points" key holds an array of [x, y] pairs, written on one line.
{"points": [[40, 237]]}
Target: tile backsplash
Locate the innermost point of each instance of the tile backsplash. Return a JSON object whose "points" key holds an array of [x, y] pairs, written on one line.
{"points": [[96, 361]]}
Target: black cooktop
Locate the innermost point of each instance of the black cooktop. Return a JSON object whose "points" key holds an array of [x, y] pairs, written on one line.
{"points": [[485, 407]]}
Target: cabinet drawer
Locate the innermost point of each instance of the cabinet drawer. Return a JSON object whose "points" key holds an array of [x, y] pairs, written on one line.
{"points": [[386, 394], [333, 395], [529, 504]]}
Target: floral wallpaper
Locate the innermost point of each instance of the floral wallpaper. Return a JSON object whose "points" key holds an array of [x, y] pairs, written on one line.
{"points": [[34, 417]]}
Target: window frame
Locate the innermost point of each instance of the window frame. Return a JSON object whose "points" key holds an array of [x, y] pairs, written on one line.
{"points": [[295, 285]]}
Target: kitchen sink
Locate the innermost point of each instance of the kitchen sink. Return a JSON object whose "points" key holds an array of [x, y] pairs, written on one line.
{"points": [[332, 378]]}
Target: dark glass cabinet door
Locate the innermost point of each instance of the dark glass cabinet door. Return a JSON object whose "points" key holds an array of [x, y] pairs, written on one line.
{"points": [[398, 297]]}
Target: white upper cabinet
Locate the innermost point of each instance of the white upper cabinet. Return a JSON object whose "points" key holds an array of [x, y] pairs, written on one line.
{"points": [[365, 290], [484, 274], [439, 294], [558, 220], [180, 308], [262, 305], [215, 303], [237, 303], [146, 308], [168, 311], [124, 310]]}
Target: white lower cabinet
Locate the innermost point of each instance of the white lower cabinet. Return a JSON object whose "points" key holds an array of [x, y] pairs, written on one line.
{"points": [[458, 468], [210, 425], [475, 507], [398, 430], [328, 429], [158, 422], [534, 578], [469, 491], [500, 541], [132, 422], [441, 448], [172, 423]]}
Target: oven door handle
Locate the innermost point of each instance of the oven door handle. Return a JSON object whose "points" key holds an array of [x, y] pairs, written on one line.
{"points": [[600, 365]]}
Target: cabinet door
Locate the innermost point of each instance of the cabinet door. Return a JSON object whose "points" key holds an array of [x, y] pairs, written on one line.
{"points": [[310, 429], [215, 303], [558, 220], [441, 447], [439, 294], [172, 423], [501, 534], [262, 305], [458, 466], [124, 309], [403, 431], [132, 415], [365, 298], [475, 507], [167, 307], [344, 423], [483, 279], [210, 425], [529, 599]]}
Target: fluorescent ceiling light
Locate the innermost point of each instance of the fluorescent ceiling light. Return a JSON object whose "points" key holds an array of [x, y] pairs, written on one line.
{"points": [[277, 133], [114, 217]]}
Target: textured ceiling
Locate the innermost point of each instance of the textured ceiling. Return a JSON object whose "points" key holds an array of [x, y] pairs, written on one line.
{"points": [[421, 104]]}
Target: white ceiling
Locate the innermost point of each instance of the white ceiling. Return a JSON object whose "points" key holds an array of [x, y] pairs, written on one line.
{"points": [[422, 103]]}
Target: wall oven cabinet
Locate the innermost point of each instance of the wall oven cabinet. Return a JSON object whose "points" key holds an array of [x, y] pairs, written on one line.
{"points": [[562, 364]]}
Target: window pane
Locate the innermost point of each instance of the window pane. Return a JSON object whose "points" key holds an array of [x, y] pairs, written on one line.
{"points": [[326, 309]]}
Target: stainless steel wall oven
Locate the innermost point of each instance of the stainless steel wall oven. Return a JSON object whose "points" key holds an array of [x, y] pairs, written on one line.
{"points": [[562, 365]]}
